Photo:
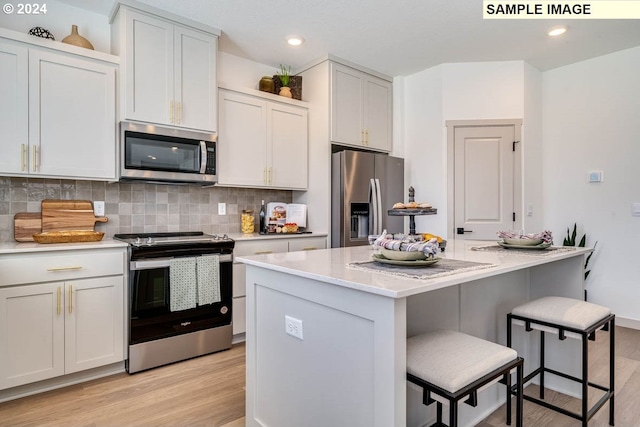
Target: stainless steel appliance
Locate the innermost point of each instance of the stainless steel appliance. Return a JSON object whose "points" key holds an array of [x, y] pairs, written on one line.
{"points": [[163, 154], [158, 335], [364, 186]]}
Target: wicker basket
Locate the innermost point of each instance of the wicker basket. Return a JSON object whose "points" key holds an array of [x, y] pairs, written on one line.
{"points": [[68, 236], [295, 83]]}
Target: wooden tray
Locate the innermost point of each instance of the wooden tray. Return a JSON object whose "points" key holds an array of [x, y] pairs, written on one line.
{"points": [[68, 236]]}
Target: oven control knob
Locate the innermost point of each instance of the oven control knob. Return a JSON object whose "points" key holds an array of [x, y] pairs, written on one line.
{"points": [[224, 309], [138, 241], [149, 240], [225, 237]]}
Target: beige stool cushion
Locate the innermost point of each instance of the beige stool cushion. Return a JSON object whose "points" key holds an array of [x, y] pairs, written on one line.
{"points": [[563, 311], [452, 360]]}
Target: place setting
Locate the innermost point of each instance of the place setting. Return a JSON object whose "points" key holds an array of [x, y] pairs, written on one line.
{"points": [[517, 241]]}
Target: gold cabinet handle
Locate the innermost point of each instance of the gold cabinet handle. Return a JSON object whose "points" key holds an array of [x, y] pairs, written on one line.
{"points": [[35, 158], [366, 132], [72, 267], [310, 248], [264, 175], [270, 176], [23, 156], [70, 299], [171, 112], [59, 295], [179, 112], [362, 137], [263, 252]]}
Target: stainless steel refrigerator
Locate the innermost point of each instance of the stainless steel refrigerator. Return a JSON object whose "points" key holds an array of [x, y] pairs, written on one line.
{"points": [[363, 187]]}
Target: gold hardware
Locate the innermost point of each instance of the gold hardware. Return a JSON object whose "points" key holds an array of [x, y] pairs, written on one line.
{"points": [[35, 158], [270, 177], [74, 267], [366, 132], [309, 249], [263, 252], [264, 175], [59, 293], [362, 137], [179, 112], [23, 156], [171, 111], [70, 299]]}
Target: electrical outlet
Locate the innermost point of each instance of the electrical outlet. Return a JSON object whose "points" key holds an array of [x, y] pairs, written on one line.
{"points": [[98, 208], [293, 327], [222, 208]]}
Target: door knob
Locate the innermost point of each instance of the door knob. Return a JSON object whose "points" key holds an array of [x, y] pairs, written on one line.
{"points": [[461, 230]]}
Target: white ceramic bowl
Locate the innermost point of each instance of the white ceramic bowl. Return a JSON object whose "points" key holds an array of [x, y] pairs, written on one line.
{"points": [[402, 255], [523, 242]]}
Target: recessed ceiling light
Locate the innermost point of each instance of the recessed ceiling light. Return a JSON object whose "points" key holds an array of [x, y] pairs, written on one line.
{"points": [[295, 40], [557, 31]]}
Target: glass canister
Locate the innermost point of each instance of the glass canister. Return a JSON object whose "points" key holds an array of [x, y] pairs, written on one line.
{"points": [[246, 221]]}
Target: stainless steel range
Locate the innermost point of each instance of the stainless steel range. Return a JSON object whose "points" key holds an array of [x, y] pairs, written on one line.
{"points": [[180, 293]]}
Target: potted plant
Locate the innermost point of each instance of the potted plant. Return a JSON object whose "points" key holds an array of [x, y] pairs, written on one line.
{"points": [[285, 75]]}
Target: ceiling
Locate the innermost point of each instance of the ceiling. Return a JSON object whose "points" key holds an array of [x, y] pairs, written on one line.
{"points": [[393, 37]]}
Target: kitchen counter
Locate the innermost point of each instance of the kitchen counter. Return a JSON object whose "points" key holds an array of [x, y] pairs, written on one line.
{"points": [[354, 324], [16, 247]]}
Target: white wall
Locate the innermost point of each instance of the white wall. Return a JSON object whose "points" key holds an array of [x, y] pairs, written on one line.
{"points": [[462, 91], [591, 123], [59, 19], [237, 71]]}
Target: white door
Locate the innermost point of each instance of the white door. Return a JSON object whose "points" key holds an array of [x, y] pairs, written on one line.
{"points": [[149, 69], [242, 142], [484, 172], [94, 325], [72, 115], [378, 107], [195, 72], [346, 105], [14, 110], [287, 134], [31, 333]]}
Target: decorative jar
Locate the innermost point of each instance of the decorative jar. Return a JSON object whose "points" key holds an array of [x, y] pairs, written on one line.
{"points": [[247, 221]]}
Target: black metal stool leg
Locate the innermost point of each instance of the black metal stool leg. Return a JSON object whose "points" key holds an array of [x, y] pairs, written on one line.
{"points": [[519, 396], [612, 369], [453, 413], [507, 382], [541, 364], [585, 379]]}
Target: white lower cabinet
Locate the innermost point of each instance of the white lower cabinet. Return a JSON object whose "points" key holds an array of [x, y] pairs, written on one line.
{"points": [[257, 247], [60, 327]]}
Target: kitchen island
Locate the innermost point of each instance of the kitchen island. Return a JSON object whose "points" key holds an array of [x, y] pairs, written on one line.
{"points": [[326, 335]]}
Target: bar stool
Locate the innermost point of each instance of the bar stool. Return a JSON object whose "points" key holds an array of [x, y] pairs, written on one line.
{"points": [[572, 318], [455, 366]]}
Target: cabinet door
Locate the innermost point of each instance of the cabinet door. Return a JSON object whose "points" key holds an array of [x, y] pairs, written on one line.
{"points": [[31, 333], [72, 127], [287, 133], [94, 325], [195, 79], [14, 110], [242, 143], [346, 105], [148, 70], [378, 107]]}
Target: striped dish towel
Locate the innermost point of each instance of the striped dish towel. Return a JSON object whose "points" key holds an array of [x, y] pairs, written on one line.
{"points": [[208, 272], [182, 276]]}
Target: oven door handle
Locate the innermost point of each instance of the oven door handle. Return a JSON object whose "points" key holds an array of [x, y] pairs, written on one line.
{"points": [[164, 263]]}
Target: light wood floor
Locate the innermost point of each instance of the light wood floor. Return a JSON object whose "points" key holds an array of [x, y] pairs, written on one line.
{"points": [[209, 391]]}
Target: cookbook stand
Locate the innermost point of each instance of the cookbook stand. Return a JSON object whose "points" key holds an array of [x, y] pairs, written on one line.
{"points": [[411, 213]]}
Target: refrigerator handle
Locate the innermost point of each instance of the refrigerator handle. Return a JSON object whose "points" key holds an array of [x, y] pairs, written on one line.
{"points": [[373, 225], [378, 207]]}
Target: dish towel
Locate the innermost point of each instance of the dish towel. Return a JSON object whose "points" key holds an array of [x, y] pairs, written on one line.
{"points": [[182, 276], [208, 271]]}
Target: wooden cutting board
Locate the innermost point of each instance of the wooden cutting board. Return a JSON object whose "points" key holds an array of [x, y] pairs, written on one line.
{"points": [[25, 225], [68, 215]]}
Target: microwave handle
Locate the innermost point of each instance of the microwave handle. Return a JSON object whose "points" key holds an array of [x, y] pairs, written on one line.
{"points": [[203, 157]]}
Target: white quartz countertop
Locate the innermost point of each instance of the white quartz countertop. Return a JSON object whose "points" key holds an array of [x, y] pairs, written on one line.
{"points": [[16, 247], [330, 266]]}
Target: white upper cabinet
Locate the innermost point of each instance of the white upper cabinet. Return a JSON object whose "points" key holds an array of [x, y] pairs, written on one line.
{"points": [[361, 109], [262, 143], [57, 111], [169, 70]]}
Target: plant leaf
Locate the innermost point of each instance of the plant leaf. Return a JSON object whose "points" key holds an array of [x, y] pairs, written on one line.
{"points": [[583, 241]]}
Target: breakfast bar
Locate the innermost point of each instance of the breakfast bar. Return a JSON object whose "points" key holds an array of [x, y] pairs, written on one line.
{"points": [[327, 329]]}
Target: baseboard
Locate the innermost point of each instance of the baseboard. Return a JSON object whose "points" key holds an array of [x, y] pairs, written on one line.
{"points": [[238, 338], [628, 323]]}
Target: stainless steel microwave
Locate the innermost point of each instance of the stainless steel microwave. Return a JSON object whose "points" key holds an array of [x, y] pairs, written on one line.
{"points": [[167, 155]]}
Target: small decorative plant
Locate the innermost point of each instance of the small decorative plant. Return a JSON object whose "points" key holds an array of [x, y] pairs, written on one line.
{"points": [[570, 240], [284, 75]]}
